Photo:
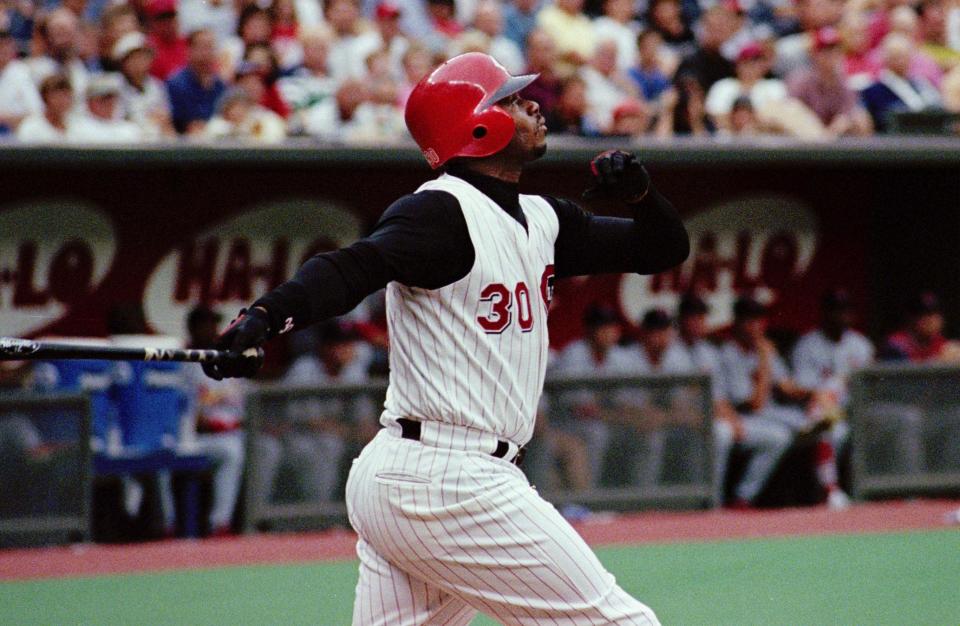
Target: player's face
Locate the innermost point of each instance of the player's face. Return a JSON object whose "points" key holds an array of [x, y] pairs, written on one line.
{"points": [[530, 139]]}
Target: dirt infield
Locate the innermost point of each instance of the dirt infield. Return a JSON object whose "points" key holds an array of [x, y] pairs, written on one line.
{"points": [[94, 560]]}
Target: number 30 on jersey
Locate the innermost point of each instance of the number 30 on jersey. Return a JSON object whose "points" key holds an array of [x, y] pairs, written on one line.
{"points": [[503, 300]]}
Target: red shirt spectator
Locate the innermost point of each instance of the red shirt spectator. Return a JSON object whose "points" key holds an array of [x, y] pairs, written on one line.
{"points": [[170, 49], [922, 341]]}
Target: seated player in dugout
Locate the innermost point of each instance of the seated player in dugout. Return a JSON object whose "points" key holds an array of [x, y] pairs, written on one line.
{"points": [[447, 523]]}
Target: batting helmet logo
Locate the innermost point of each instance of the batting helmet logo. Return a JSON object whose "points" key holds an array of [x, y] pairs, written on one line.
{"points": [[452, 112]]}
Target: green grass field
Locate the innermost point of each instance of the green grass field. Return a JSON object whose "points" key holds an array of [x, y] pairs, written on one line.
{"points": [[902, 579]]}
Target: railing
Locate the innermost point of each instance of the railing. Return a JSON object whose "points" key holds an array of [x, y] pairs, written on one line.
{"points": [[45, 472], [905, 430], [297, 437]]}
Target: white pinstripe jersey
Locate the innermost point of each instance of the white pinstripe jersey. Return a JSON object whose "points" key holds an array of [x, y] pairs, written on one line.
{"points": [[474, 353]]}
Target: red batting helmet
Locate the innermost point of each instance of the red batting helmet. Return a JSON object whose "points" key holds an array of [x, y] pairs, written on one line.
{"points": [[453, 113]]}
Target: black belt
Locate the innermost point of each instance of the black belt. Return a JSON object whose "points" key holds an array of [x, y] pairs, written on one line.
{"points": [[410, 429]]}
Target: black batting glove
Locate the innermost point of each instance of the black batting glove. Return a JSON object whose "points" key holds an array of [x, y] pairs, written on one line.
{"points": [[248, 331], [618, 175]]}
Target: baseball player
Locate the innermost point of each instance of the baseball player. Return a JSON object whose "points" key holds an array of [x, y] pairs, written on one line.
{"points": [[765, 443], [448, 524]]}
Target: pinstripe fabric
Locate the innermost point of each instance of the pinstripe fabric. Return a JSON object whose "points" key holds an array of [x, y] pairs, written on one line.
{"points": [[443, 531], [445, 528], [444, 365]]}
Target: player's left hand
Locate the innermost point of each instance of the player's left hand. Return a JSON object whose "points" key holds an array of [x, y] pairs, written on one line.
{"points": [[618, 174], [249, 330]]}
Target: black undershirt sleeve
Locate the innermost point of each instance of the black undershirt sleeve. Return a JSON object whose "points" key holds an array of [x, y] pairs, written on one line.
{"points": [[421, 240], [653, 241]]}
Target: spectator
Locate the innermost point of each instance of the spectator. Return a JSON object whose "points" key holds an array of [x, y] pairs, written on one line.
{"points": [[860, 65], [386, 36], [689, 112], [750, 82], [606, 86], [195, 89], [571, 31], [116, 21], [648, 72], [216, 417], [706, 64], [631, 118], [59, 45], [260, 62], [217, 16], [443, 17], [951, 90], [378, 118], [19, 97], [310, 88], [933, 31], [904, 20], [169, 48], [285, 33], [100, 123], [18, 18], [489, 21], [51, 125], [895, 90], [587, 414], [254, 27], [542, 60], [666, 18], [417, 63], [754, 382], [143, 98], [240, 117], [343, 17], [571, 114], [823, 89], [520, 17], [921, 340], [792, 51], [617, 24]]}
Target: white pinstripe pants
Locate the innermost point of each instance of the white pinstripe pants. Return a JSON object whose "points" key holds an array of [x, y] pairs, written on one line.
{"points": [[445, 533]]}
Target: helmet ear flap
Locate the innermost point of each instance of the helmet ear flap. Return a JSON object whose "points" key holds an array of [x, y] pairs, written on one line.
{"points": [[491, 131]]}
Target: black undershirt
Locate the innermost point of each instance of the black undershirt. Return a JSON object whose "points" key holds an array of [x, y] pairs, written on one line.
{"points": [[422, 240]]}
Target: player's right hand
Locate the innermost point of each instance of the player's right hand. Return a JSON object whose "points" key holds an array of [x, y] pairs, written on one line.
{"points": [[249, 330], [618, 174]]}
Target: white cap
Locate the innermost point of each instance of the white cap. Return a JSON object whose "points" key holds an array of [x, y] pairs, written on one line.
{"points": [[127, 44]]}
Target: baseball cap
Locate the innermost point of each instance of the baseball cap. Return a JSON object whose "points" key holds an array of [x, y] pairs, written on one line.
{"points": [[129, 43], [161, 8], [600, 315], [628, 107], [692, 304], [749, 52], [826, 37], [656, 319], [924, 304], [748, 307], [387, 10], [103, 85]]}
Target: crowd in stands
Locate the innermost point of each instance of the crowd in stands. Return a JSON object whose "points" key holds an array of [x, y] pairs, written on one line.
{"points": [[764, 400], [120, 71]]}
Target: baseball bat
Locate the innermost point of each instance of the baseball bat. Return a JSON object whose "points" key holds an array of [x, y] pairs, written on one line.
{"points": [[12, 349]]}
